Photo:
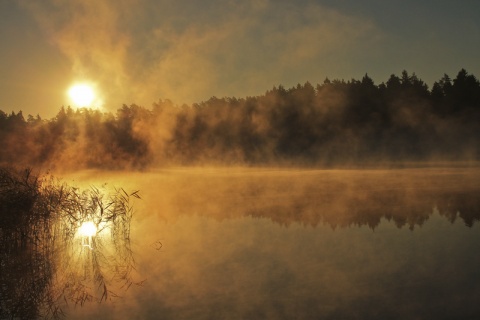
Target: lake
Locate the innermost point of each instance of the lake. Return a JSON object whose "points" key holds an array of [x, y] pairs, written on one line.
{"points": [[253, 243]]}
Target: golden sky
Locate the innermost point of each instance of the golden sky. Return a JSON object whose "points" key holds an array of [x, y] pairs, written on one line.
{"points": [[139, 51]]}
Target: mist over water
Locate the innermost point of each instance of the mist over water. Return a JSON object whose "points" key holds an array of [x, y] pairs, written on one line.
{"points": [[337, 197], [236, 243]]}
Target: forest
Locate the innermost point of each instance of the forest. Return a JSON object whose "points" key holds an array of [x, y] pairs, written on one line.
{"points": [[336, 123]]}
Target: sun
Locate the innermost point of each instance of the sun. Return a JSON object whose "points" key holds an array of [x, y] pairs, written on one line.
{"points": [[82, 95]]}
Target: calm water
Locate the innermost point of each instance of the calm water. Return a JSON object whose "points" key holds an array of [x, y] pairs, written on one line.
{"points": [[300, 244]]}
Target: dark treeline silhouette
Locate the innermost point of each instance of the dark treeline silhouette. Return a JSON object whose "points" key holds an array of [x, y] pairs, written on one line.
{"points": [[335, 123]]}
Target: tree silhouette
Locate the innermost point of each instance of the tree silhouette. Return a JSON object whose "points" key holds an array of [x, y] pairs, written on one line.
{"points": [[332, 123]]}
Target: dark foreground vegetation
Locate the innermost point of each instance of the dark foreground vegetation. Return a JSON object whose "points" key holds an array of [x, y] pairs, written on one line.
{"points": [[44, 263], [334, 123]]}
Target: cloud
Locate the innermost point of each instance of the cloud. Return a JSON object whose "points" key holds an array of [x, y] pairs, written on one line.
{"points": [[141, 50], [89, 33]]}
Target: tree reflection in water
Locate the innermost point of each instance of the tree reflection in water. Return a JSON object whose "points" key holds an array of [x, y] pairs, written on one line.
{"points": [[338, 198], [43, 261]]}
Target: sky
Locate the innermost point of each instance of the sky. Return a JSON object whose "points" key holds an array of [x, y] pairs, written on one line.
{"points": [[140, 51]]}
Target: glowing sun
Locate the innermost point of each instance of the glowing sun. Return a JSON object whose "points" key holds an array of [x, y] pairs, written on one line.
{"points": [[82, 95]]}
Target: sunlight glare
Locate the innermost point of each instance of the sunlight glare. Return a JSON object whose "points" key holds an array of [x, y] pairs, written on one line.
{"points": [[87, 229], [82, 95]]}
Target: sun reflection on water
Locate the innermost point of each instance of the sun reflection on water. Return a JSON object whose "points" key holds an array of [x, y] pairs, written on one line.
{"points": [[87, 230]]}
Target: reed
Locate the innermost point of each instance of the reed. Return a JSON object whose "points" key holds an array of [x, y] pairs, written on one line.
{"points": [[47, 259]]}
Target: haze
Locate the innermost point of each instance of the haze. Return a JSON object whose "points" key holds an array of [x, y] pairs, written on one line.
{"points": [[272, 159], [140, 51]]}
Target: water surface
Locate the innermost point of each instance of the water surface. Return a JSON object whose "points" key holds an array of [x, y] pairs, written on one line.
{"points": [[238, 243]]}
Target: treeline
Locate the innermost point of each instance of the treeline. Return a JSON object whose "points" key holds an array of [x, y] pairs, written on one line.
{"points": [[335, 123]]}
